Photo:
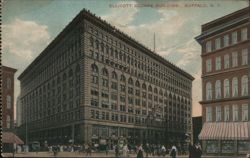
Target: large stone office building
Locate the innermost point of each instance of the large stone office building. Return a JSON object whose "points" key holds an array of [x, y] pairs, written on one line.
{"points": [[225, 84], [95, 83]]}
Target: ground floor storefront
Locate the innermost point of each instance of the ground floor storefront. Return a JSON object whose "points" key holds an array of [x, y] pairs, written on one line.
{"points": [[227, 138], [101, 135]]}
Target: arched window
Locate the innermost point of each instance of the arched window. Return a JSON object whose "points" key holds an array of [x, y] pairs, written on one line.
{"points": [[8, 121], [144, 86], [58, 80], [226, 88], [8, 102], [105, 72], [149, 88], [114, 75], [64, 76], [160, 92], [94, 68], [123, 79], [91, 40], [208, 91], [218, 89], [244, 85], [137, 83], [235, 87], [70, 73], [97, 44], [155, 90], [130, 81], [8, 83]]}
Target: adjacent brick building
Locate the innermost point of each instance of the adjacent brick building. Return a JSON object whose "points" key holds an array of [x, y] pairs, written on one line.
{"points": [[94, 83], [225, 84], [7, 97]]}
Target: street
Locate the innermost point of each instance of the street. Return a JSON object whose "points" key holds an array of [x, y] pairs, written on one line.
{"points": [[95, 155]]}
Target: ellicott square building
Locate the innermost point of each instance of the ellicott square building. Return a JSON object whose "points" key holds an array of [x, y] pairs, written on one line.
{"points": [[93, 83], [225, 84]]}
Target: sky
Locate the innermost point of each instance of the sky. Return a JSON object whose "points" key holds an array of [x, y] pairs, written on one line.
{"points": [[28, 26]]}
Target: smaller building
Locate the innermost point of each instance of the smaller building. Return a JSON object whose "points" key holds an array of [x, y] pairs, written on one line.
{"points": [[197, 126]]}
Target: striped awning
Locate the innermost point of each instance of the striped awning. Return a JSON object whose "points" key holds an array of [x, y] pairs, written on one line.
{"points": [[11, 138], [225, 131]]}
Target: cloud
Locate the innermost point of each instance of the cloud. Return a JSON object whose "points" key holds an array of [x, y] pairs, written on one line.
{"points": [[24, 39]]}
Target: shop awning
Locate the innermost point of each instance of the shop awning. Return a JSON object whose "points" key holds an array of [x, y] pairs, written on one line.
{"points": [[225, 131], [11, 138]]}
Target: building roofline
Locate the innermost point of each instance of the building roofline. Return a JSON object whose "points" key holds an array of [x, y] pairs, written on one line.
{"points": [[225, 17], [8, 68], [86, 14]]}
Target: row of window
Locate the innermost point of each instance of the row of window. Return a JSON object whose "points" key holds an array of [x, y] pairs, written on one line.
{"points": [[139, 63], [234, 61], [114, 85], [230, 113], [95, 114], [226, 88], [210, 46]]}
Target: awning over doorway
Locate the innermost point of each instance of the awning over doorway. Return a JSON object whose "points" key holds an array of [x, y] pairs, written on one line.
{"points": [[225, 131], [11, 138]]}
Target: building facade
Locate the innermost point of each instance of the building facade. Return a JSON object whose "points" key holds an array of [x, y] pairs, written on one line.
{"points": [[94, 83], [18, 112], [7, 97], [225, 84]]}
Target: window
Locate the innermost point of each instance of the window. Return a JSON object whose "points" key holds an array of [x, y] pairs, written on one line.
{"points": [[244, 34], [8, 83], [234, 37], [94, 68], [235, 87], [218, 89], [122, 88], [8, 102], [208, 46], [226, 40], [208, 114], [244, 57], [235, 113], [114, 75], [114, 85], [8, 121], [245, 112], [217, 43], [208, 91], [218, 113], [244, 85], [105, 83], [226, 88], [105, 72], [209, 65], [94, 80], [235, 59], [218, 63], [226, 113], [226, 61], [94, 103]]}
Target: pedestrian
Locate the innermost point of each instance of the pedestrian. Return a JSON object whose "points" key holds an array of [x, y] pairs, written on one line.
{"points": [[140, 152], [173, 151], [107, 149], [125, 150], [163, 150], [191, 150], [197, 150], [248, 155], [116, 150], [88, 151]]}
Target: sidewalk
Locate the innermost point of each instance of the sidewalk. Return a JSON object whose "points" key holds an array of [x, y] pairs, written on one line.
{"points": [[95, 155]]}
